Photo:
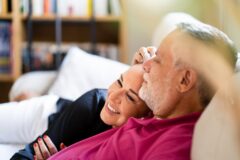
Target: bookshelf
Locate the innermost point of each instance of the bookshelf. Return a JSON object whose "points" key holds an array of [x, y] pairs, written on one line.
{"points": [[75, 29], [6, 16]]}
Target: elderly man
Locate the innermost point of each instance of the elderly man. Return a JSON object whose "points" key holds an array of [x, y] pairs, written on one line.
{"points": [[177, 87], [175, 84]]}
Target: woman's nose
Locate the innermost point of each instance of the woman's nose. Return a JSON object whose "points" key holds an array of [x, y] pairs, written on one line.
{"points": [[116, 96], [147, 66]]}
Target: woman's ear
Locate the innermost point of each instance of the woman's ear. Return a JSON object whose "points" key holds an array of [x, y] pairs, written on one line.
{"points": [[187, 79]]}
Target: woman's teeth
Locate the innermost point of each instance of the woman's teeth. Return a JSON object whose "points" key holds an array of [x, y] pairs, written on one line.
{"points": [[112, 109]]}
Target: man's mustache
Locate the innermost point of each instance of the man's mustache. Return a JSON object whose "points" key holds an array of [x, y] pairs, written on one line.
{"points": [[145, 77]]}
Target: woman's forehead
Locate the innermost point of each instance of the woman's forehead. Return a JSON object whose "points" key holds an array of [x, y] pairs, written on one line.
{"points": [[134, 71], [133, 76]]}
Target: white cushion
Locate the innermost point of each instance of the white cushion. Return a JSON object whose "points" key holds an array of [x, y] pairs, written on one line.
{"points": [[168, 24], [238, 62], [217, 133], [7, 150], [37, 82], [22, 122], [81, 72]]}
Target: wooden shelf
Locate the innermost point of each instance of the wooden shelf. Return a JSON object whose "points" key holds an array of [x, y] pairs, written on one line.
{"points": [[107, 18], [6, 77], [53, 17], [74, 18], [5, 16]]}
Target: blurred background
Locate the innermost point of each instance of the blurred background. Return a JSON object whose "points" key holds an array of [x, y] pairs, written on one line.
{"points": [[37, 34], [142, 17]]}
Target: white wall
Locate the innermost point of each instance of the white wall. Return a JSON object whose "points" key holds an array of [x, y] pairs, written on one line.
{"points": [[142, 17], [225, 15]]}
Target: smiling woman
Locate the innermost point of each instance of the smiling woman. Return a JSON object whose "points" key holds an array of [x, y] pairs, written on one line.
{"points": [[122, 101], [94, 112]]}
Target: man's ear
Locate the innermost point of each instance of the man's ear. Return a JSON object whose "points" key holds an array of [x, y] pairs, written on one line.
{"points": [[187, 79]]}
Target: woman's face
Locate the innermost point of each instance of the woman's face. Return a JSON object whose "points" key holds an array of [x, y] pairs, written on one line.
{"points": [[122, 101]]}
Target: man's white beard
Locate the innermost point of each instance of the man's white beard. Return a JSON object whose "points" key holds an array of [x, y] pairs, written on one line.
{"points": [[147, 97]]}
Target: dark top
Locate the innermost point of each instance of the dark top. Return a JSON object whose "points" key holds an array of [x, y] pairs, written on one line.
{"points": [[73, 122]]}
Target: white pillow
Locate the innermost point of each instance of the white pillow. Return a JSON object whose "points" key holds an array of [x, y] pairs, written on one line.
{"points": [[216, 135], [81, 72], [238, 62], [7, 150], [37, 82]]}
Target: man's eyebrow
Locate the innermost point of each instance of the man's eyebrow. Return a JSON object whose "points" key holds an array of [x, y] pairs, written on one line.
{"points": [[133, 92]]}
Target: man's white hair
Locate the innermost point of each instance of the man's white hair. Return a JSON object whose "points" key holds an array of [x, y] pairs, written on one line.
{"points": [[168, 24]]}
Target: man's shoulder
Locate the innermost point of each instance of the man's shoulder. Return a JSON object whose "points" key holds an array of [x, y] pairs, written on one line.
{"points": [[173, 138]]}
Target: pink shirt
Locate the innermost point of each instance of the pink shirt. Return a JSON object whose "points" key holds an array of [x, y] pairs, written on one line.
{"points": [[167, 139]]}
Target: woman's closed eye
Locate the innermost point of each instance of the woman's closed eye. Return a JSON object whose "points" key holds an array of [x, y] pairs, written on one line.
{"points": [[130, 97], [129, 94]]}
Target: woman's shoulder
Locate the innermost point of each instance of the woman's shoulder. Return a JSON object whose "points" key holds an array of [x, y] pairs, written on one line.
{"points": [[98, 91], [92, 100]]}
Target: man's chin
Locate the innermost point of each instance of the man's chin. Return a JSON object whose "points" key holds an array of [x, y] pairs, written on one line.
{"points": [[146, 96]]}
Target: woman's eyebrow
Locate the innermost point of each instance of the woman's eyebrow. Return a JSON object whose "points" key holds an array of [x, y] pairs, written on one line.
{"points": [[121, 77], [133, 92]]}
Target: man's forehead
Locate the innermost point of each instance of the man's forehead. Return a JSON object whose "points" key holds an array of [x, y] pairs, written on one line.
{"points": [[179, 45], [182, 40], [170, 38], [168, 43]]}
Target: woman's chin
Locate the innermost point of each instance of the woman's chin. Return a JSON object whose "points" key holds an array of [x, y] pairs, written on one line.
{"points": [[106, 118]]}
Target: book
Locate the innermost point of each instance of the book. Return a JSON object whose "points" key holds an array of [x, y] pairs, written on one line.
{"points": [[100, 8], [61, 7], [5, 47], [5, 67], [44, 54], [37, 7], [115, 8], [47, 7], [79, 7]]}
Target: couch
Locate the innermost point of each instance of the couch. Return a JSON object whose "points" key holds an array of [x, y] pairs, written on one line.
{"points": [[79, 73]]}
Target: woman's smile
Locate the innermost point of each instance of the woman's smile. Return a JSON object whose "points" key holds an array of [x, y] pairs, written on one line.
{"points": [[111, 109]]}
